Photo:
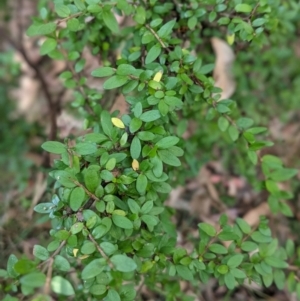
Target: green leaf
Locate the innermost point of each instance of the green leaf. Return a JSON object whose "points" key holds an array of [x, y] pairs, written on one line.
{"points": [[122, 221], [243, 8], [167, 142], [62, 286], [236, 273], [133, 206], [98, 289], [93, 269], [62, 263], [153, 53], [88, 248], [140, 15], [62, 10], [150, 116], [290, 248], [223, 123], [243, 225], [276, 262], [91, 179], [168, 158], [145, 136], [166, 29], [115, 81], [23, 266], [12, 260], [135, 148], [249, 246], [162, 187], [184, 272], [229, 281], [106, 123], [49, 45], [85, 148], [150, 220], [76, 198], [283, 174], [235, 260], [112, 296], [103, 72], [218, 249], [108, 247], [208, 229], [73, 24], [44, 207], [110, 21], [34, 280], [135, 124], [244, 122], [141, 184], [223, 269], [260, 238], [123, 263], [40, 252], [79, 4], [233, 132], [279, 279], [54, 147], [76, 228], [40, 29], [192, 22], [110, 164]]}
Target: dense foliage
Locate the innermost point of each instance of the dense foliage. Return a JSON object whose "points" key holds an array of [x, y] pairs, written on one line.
{"points": [[111, 233]]}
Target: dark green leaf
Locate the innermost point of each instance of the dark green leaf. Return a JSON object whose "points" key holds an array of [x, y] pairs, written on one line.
{"points": [[76, 198], [110, 21], [135, 148], [141, 184], [122, 221], [184, 272], [153, 53]]}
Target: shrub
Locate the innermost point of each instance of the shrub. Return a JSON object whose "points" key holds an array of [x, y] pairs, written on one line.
{"points": [[111, 232]]}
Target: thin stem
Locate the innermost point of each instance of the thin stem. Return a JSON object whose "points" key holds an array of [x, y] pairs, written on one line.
{"points": [[91, 195], [68, 18], [163, 45], [101, 252], [54, 254]]}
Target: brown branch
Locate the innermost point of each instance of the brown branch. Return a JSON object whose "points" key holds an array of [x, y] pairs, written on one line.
{"points": [[101, 252], [52, 106]]}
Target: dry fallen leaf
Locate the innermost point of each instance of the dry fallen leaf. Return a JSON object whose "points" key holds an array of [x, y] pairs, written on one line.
{"points": [[222, 72]]}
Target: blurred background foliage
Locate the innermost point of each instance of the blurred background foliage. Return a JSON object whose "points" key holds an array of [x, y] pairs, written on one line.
{"points": [[267, 90]]}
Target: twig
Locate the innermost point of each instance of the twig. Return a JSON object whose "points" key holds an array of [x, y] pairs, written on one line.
{"points": [[101, 252], [54, 254], [68, 18], [91, 195], [163, 45], [48, 277]]}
